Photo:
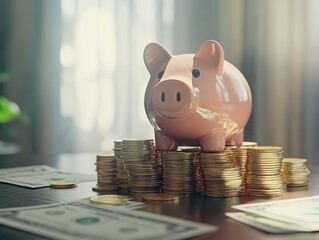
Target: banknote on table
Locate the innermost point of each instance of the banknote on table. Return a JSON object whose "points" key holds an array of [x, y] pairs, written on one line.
{"points": [[38, 176], [82, 220], [264, 224], [302, 214], [128, 205]]}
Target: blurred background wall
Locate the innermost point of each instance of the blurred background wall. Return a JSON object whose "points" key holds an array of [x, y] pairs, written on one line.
{"points": [[76, 67]]}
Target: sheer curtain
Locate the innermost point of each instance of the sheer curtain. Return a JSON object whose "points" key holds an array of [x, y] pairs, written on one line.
{"points": [[32, 56], [86, 79], [103, 74], [271, 42], [275, 45]]}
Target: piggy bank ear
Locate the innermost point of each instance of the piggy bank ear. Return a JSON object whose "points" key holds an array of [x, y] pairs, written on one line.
{"points": [[154, 56], [213, 53]]}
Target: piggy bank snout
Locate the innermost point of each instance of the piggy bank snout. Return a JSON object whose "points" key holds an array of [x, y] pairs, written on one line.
{"points": [[172, 98]]}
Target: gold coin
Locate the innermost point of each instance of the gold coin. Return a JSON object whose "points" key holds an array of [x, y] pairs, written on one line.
{"points": [[109, 199], [249, 144], [106, 156], [294, 160], [99, 188], [265, 148], [160, 197], [137, 140], [63, 184], [188, 149]]}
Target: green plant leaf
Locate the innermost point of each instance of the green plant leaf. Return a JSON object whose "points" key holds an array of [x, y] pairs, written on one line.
{"points": [[4, 74], [8, 110]]}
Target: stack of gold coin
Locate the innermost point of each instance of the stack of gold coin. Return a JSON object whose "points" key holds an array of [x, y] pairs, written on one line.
{"points": [[196, 149], [240, 154], [181, 172], [158, 160], [295, 172], [263, 172], [222, 176], [120, 169], [106, 173], [144, 175]]}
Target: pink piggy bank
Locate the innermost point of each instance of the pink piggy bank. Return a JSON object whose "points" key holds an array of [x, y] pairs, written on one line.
{"points": [[195, 99]]}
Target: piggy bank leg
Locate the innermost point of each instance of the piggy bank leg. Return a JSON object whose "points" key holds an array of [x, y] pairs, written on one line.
{"points": [[239, 138], [214, 142], [236, 140], [165, 143]]}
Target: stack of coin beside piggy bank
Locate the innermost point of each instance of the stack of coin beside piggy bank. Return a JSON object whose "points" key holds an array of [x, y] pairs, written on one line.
{"points": [[195, 99]]}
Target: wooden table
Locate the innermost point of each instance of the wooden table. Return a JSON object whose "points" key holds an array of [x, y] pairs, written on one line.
{"points": [[194, 207]]}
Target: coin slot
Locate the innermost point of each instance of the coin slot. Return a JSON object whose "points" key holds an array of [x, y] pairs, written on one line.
{"points": [[162, 97], [178, 96]]}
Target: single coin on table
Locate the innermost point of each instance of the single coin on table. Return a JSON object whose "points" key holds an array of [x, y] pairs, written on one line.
{"points": [[63, 184], [109, 199], [160, 197]]}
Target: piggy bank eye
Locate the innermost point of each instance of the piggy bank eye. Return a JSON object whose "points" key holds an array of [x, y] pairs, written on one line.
{"points": [[196, 73], [160, 74]]}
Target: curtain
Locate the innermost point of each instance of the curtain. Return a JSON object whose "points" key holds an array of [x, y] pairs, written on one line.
{"points": [[103, 74], [77, 66], [32, 56], [274, 44]]}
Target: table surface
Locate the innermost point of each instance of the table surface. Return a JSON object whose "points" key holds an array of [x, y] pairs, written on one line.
{"points": [[195, 207]]}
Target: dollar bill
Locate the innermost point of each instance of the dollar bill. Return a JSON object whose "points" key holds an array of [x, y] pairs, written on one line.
{"points": [[82, 220], [129, 205], [38, 176], [264, 224], [301, 213]]}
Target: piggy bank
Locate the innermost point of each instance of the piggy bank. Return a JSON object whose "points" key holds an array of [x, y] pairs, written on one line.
{"points": [[195, 99]]}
